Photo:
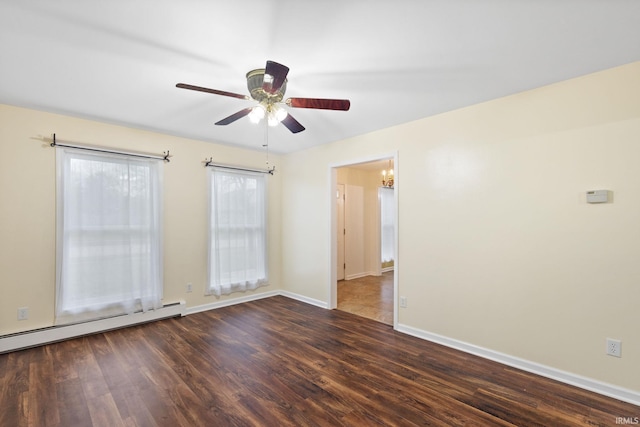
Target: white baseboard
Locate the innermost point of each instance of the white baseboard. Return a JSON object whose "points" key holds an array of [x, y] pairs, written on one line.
{"points": [[231, 301], [255, 297], [599, 387], [302, 298], [359, 275], [59, 333]]}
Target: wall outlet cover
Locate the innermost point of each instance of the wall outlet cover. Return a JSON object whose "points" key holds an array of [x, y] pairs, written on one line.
{"points": [[614, 347], [23, 313]]}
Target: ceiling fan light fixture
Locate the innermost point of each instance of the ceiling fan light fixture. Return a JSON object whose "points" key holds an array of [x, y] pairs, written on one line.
{"points": [[257, 114], [276, 115], [280, 114]]}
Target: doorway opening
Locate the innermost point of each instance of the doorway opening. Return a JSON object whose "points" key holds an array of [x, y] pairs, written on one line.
{"points": [[364, 244]]}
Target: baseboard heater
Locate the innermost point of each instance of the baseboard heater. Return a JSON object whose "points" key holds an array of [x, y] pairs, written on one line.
{"points": [[52, 334]]}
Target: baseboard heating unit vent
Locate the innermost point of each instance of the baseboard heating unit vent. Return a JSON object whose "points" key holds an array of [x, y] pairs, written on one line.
{"points": [[42, 336]]}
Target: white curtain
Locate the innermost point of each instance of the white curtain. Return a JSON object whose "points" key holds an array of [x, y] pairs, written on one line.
{"points": [[387, 223], [109, 235], [237, 237]]}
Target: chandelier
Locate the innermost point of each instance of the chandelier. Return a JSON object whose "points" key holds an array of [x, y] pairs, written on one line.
{"points": [[387, 176]]}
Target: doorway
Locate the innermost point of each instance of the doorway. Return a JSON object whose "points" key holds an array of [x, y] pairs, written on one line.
{"points": [[359, 282]]}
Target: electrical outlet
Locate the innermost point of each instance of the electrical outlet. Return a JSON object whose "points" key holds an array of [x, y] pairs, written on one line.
{"points": [[189, 287], [614, 347], [403, 302], [23, 313]]}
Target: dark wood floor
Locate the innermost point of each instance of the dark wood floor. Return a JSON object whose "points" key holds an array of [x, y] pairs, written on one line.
{"points": [[283, 363]]}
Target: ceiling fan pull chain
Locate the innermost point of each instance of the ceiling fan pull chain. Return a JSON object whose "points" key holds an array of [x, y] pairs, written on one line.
{"points": [[266, 140]]}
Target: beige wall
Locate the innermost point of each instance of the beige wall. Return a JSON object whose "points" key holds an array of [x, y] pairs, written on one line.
{"points": [[27, 209], [497, 245]]}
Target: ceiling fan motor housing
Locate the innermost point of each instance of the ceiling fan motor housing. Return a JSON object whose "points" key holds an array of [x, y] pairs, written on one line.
{"points": [[255, 78]]}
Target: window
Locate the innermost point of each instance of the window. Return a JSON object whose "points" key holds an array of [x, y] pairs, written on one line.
{"points": [[237, 237], [109, 236], [387, 223]]}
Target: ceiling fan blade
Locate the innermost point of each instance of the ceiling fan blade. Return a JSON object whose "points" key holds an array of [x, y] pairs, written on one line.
{"points": [[274, 76], [214, 91], [235, 116], [292, 124], [319, 103]]}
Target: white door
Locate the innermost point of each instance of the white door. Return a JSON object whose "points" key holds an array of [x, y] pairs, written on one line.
{"points": [[340, 229], [354, 248]]}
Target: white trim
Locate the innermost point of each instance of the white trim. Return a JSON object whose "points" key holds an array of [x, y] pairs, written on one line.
{"points": [[59, 333], [365, 159], [387, 269], [396, 263], [595, 386], [359, 275], [231, 301], [333, 240], [304, 299]]}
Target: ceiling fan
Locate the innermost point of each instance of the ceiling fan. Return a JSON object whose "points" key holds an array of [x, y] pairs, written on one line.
{"points": [[267, 86]]}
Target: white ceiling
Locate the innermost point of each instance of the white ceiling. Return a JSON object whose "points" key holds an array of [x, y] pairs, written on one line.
{"points": [[397, 61]]}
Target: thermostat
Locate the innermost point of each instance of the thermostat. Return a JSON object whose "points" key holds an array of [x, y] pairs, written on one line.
{"points": [[598, 196]]}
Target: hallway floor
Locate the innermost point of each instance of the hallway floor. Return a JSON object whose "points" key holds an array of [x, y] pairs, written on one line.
{"points": [[369, 296]]}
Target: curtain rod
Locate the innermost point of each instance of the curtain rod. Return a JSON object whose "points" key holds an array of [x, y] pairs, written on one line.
{"points": [[165, 155], [238, 168]]}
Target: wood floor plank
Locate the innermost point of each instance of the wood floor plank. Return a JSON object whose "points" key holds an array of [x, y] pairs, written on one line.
{"points": [[42, 391], [103, 411], [3, 368], [66, 356], [72, 405], [279, 362], [121, 386], [14, 388]]}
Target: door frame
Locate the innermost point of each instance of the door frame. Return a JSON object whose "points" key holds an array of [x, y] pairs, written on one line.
{"points": [[332, 286]]}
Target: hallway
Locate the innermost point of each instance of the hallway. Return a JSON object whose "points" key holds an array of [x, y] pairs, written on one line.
{"points": [[369, 296]]}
